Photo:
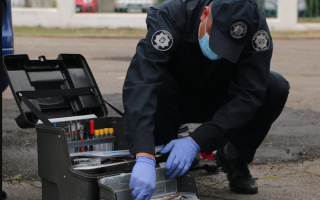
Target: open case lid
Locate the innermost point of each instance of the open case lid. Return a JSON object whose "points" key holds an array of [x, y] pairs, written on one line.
{"points": [[62, 87]]}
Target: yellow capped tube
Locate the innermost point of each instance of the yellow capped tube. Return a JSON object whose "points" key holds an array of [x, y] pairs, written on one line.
{"points": [[111, 131], [96, 133], [101, 146], [106, 134], [96, 147], [111, 146]]}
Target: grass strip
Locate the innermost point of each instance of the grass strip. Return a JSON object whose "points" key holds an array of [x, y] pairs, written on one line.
{"points": [[89, 31], [122, 31]]}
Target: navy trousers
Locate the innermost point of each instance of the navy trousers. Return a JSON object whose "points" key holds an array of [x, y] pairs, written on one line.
{"points": [[177, 105]]}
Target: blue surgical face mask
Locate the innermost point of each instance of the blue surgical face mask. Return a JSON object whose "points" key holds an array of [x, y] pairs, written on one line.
{"points": [[204, 45]]}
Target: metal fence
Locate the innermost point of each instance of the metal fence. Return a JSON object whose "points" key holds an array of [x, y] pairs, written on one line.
{"points": [[308, 10], [269, 7]]}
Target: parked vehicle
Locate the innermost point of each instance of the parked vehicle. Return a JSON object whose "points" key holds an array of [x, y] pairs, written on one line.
{"points": [[7, 36], [133, 5], [87, 6]]}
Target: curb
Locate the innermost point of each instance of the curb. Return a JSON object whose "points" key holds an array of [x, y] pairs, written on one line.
{"points": [[296, 37], [113, 36]]}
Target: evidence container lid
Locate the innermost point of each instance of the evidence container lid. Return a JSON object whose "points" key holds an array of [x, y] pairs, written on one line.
{"points": [[62, 87]]}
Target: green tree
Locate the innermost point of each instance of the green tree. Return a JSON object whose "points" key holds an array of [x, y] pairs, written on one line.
{"points": [[160, 2]]}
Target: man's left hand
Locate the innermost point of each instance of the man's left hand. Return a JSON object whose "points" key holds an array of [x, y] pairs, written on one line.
{"points": [[183, 152]]}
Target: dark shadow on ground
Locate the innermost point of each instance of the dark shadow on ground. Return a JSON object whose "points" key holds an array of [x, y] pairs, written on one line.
{"points": [[293, 137]]}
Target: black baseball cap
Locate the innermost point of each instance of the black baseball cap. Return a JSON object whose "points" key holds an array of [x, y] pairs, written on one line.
{"points": [[234, 23]]}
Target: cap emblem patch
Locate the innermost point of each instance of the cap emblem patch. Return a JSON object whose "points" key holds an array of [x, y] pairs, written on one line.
{"points": [[238, 30], [162, 40], [261, 41]]}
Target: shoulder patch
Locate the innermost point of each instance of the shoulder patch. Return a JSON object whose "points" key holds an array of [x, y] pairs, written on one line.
{"points": [[261, 41], [162, 40], [238, 30]]}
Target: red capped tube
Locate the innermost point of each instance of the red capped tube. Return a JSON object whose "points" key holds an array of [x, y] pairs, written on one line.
{"points": [[91, 127]]}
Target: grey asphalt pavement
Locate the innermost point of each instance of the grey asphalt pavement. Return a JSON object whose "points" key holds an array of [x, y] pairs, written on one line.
{"points": [[286, 165]]}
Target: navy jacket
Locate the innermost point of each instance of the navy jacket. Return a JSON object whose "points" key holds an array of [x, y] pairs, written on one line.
{"points": [[176, 22]]}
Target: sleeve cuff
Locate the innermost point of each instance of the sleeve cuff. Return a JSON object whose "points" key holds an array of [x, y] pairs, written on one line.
{"points": [[207, 140], [140, 142]]}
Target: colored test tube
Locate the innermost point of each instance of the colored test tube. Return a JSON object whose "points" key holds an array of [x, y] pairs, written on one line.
{"points": [[91, 126], [106, 134], [81, 136], [68, 135], [86, 134], [101, 132], [96, 136], [77, 135], [111, 132], [68, 139], [91, 135], [73, 127]]}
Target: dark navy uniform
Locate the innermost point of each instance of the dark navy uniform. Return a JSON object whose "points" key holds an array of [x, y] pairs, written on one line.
{"points": [[170, 81]]}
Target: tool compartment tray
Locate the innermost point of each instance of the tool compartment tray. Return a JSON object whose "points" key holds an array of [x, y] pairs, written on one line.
{"points": [[120, 184], [116, 187], [60, 180]]}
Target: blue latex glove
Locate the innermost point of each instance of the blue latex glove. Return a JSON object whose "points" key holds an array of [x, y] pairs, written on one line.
{"points": [[143, 178], [183, 152]]}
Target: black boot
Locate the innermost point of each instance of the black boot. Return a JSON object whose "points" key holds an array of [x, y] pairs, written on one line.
{"points": [[238, 174], [4, 195]]}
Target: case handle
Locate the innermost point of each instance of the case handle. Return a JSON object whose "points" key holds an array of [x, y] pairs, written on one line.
{"points": [[117, 111], [56, 93], [34, 110], [24, 95], [43, 58]]}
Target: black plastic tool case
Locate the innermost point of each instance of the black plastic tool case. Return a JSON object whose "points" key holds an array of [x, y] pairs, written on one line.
{"points": [[68, 73]]}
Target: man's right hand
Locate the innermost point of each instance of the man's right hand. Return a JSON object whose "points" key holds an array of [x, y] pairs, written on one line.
{"points": [[143, 177]]}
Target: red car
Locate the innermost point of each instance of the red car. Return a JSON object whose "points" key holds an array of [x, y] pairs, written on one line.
{"points": [[87, 6]]}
